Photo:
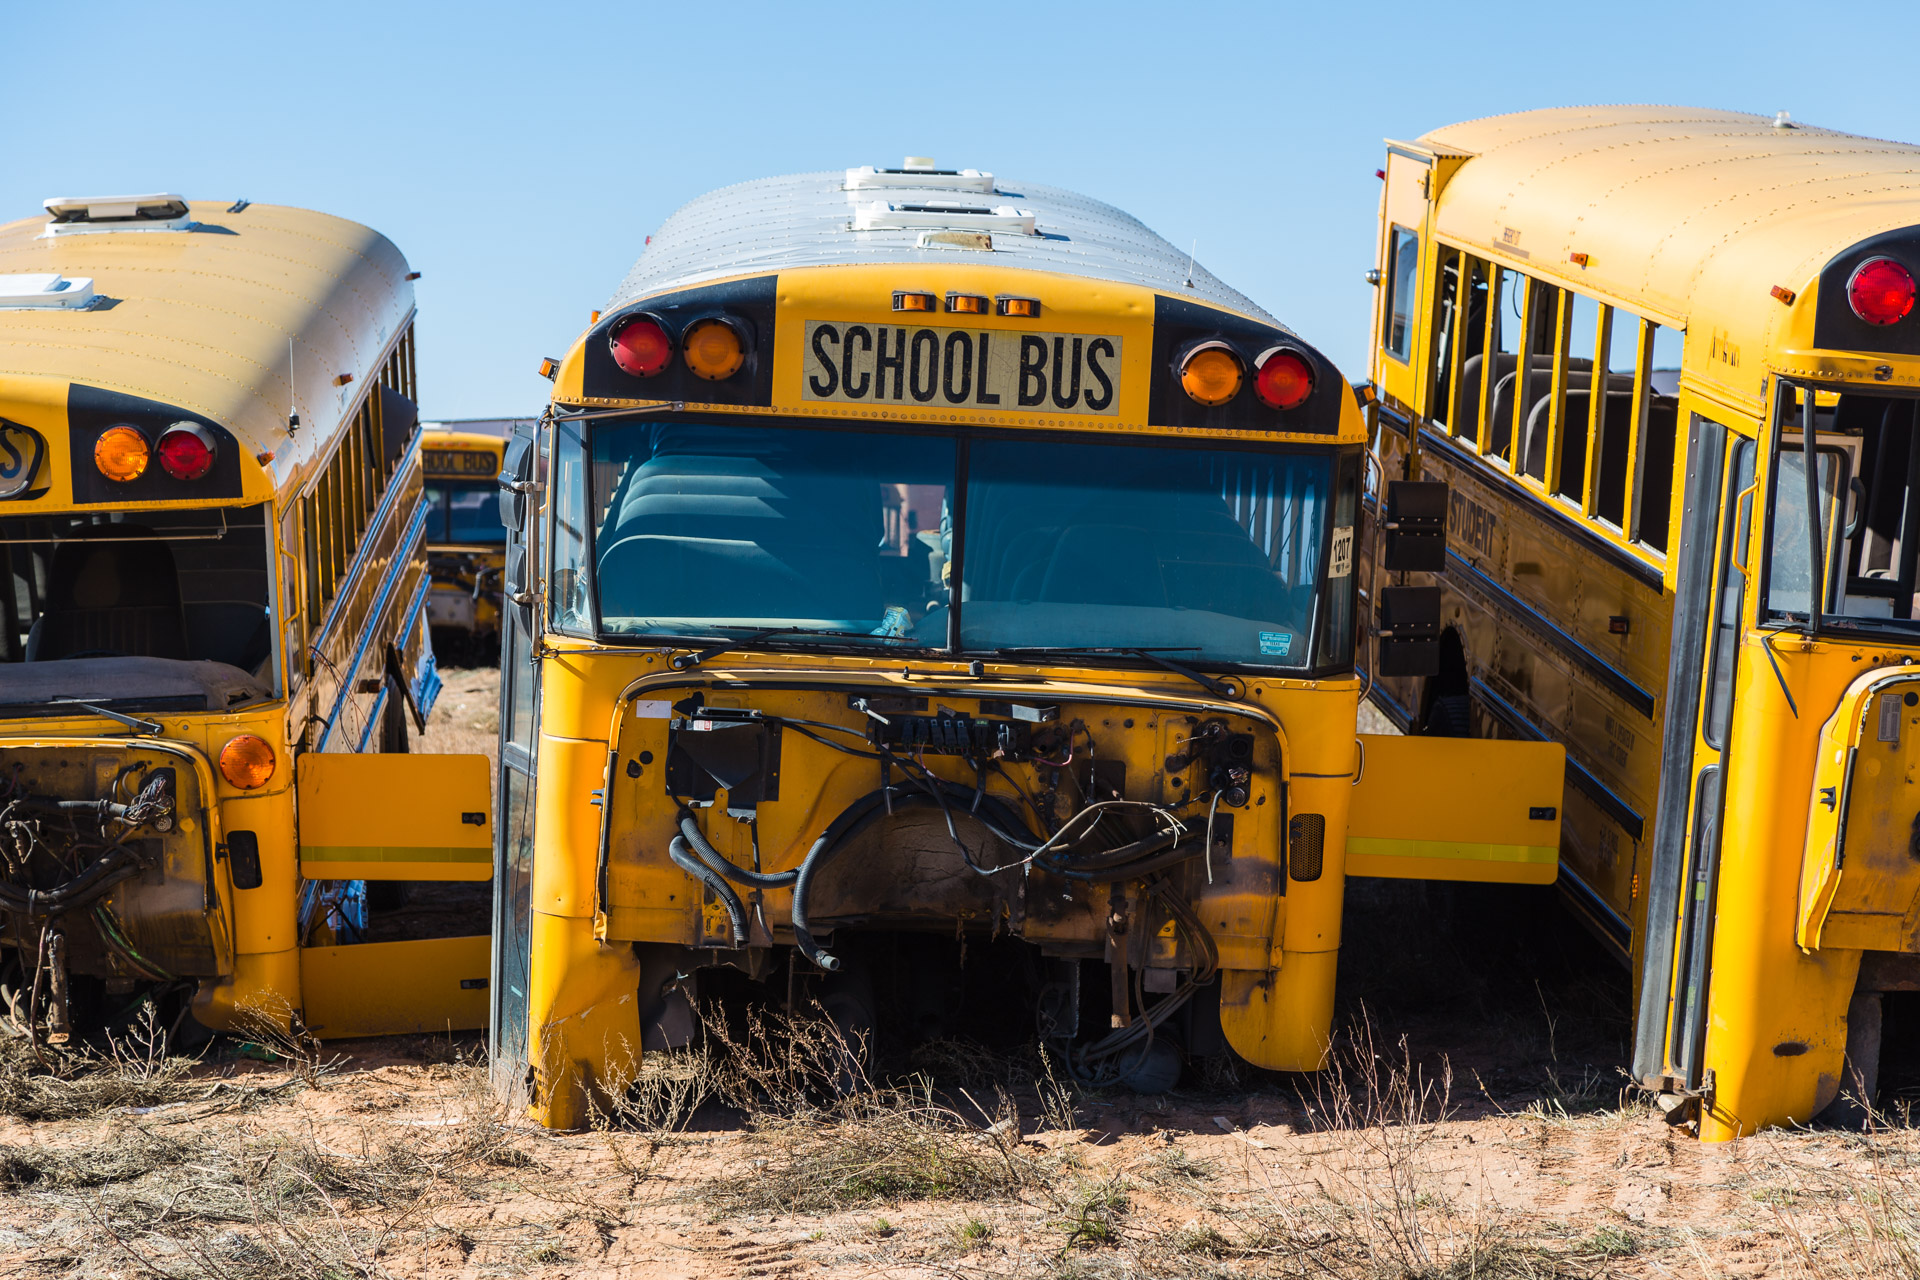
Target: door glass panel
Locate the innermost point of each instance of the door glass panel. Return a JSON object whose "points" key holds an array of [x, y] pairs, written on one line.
{"points": [[513, 922], [1403, 278], [1733, 594]]}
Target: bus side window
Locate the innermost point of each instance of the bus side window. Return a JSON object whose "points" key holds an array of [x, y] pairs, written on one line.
{"points": [[1534, 385], [1659, 393], [1462, 403], [1403, 288], [1619, 339], [1508, 328], [1576, 390]]}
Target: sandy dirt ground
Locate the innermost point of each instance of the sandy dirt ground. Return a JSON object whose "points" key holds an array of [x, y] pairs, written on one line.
{"points": [[1475, 1126]]}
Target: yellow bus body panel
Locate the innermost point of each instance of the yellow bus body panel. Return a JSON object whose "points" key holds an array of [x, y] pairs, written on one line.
{"points": [[1457, 809], [395, 988], [395, 817]]}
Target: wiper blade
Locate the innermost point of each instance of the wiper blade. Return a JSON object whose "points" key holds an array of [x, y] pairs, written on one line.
{"points": [[1218, 688], [687, 661], [135, 723]]}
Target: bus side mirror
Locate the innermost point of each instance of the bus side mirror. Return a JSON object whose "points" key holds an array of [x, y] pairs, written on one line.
{"points": [[516, 482], [1416, 526], [1409, 631]]}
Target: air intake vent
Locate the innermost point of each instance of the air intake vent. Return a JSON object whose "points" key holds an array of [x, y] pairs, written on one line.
{"points": [[868, 178], [81, 214], [45, 292], [1306, 845]]}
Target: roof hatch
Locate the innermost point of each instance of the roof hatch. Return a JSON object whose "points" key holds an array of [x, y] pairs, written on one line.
{"points": [[80, 214], [45, 291], [942, 215], [919, 174]]}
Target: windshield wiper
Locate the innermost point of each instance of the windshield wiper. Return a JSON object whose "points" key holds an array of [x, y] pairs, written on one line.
{"points": [[686, 661], [135, 723], [1218, 688]]}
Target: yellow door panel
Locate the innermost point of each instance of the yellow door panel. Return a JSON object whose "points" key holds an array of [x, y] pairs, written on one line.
{"points": [[395, 817], [1859, 879], [395, 988], [1457, 809]]}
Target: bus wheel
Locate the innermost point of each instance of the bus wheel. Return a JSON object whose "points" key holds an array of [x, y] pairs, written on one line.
{"points": [[1860, 1081], [393, 724], [1155, 1071]]}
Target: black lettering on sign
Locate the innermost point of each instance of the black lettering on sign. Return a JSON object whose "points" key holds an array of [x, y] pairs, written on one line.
{"points": [[1470, 524], [883, 362], [855, 333], [959, 360], [926, 355], [1060, 362], [1068, 373], [824, 383], [1033, 370], [1104, 397], [984, 396]]}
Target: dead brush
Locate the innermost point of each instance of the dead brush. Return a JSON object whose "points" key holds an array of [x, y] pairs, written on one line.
{"points": [[833, 1139], [71, 1082], [1842, 1221]]}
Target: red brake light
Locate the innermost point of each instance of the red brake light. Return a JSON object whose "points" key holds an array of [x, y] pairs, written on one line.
{"points": [[186, 451], [641, 346], [1881, 291], [1285, 380]]}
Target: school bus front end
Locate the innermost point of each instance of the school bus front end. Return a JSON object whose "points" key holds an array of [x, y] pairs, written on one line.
{"points": [[464, 537], [901, 605], [193, 619]]}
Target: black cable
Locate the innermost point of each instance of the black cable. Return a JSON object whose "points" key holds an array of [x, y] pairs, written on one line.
{"points": [[682, 857], [718, 862]]}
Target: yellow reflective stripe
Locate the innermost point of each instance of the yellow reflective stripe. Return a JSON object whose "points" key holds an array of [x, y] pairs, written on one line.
{"points": [[392, 853], [1369, 847]]}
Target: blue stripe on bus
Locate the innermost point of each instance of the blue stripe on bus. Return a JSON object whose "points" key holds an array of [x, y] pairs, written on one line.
{"points": [[1606, 673], [352, 673]]}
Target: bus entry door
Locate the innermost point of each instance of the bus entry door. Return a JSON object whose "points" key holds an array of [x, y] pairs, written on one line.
{"points": [[395, 817], [1457, 809]]}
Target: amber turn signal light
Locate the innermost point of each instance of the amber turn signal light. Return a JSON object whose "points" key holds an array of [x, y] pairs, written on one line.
{"points": [[121, 453], [247, 761], [641, 346], [1211, 374], [967, 304], [1021, 308], [1285, 379], [714, 348], [908, 300]]}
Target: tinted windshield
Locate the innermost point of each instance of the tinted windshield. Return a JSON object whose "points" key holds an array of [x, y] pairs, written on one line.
{"points": [[1210, 554], [464, 513]]}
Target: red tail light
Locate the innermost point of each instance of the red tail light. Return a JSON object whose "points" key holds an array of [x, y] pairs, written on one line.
{"points": [[1285, 379], [641, 346], [186, 451], [1881, 291]]}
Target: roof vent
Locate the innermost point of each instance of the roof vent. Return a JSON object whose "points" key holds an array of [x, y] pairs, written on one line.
{"points": [[921, 177], [71, 215], [45, 291], [942, 215]]}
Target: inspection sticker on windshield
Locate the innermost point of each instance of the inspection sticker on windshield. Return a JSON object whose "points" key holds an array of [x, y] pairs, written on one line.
{"points": [[945, 368], [1276, 644], [1341, 562]]}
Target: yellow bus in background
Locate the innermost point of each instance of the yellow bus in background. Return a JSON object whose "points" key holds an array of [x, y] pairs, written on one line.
{"points": [[213, 643], [466, 543], [935, 597], [1613, 332]]}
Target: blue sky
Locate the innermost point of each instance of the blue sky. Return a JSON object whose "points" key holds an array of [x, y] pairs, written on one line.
{"points": [[519, 154]]}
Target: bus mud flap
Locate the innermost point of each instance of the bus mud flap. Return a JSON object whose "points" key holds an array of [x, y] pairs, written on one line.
{"points": [[1457, 809]]}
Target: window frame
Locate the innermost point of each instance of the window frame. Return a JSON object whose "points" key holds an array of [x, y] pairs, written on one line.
{"points": [[1395, 234]]}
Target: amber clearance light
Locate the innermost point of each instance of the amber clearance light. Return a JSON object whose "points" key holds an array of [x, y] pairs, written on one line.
{"points": [[714, 348], [121, 453], [1211, 374], [246, 761]]}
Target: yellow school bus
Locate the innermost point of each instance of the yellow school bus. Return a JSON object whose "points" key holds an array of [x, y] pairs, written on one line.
{"points": [[931, 592], [466, 543], [212, 641], [1612, 333]]}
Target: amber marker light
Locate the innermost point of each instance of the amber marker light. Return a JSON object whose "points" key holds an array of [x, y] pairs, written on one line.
{"points": [[247, 762], [1285, 379], [1211, 374], [641, 346], [121, 453], [1880, 291], [186, 450], [908, 300], [968, 304], [1020, 308], [714, 348]]}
